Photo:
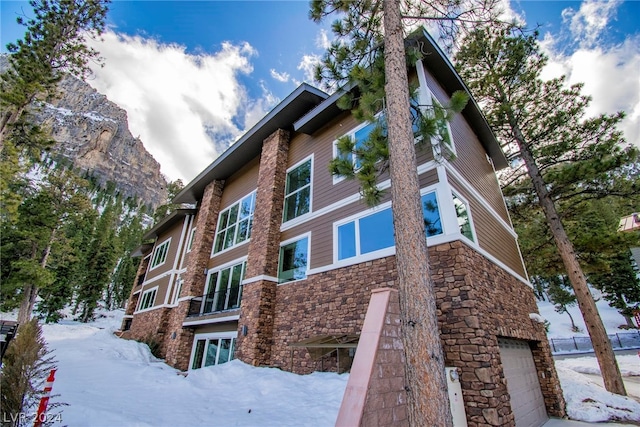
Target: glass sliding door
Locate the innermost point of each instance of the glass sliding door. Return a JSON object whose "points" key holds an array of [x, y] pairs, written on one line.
{"points": [[213, 349]]}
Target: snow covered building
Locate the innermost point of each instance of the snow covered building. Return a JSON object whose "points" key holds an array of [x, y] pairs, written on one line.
{"points": [[276, 263]]}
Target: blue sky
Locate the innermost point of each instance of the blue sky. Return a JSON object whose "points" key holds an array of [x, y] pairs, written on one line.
{"points": [[193, 76]]}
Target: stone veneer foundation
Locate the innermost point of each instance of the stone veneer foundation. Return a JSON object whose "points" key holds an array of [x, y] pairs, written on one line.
{"points": [[477, 301]]}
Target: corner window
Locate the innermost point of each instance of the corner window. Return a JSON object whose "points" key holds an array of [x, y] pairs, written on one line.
{"points": [[464, 219], [431, 214], [374, 232], [297, 199], [160, 254], [148, 299], [293, 260], [367, 234], [235, 223]]}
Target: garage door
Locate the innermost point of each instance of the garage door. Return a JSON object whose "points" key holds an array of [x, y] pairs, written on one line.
{"points": [[522, 383]]}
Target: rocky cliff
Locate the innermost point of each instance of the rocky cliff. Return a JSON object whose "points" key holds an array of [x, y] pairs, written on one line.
{"points": [[93, 133]]}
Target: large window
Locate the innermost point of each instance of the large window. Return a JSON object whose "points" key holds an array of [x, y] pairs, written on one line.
{"points": [[224, 289], [367, 234], [374, 232], [148, 299], [160, 254], [234, 224], [213, 349], [297, 199], [293, 261]]}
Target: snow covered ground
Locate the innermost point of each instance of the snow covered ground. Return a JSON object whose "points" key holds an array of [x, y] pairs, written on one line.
{"points": [[108, 381]]}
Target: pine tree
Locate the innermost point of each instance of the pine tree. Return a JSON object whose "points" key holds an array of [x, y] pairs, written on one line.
{"points": [[620, 285], [42, 218], [102, 256], [366, 30], [54, 44], [560, 153], [173, 188]]}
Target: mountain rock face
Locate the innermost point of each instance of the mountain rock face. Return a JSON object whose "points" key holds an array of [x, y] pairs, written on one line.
{"points": [[93, 133]]}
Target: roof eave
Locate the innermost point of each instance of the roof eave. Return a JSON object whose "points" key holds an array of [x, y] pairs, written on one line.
{"points": [[446, 74], [165, 223], [302, 99]]}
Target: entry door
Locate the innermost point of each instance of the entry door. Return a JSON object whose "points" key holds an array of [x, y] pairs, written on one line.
{"points": [[520, 372]]}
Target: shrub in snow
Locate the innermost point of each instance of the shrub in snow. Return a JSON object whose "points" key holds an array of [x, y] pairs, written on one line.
{"points": [[25, 367]]}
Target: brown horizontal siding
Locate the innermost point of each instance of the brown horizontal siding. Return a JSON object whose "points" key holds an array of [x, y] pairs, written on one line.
{"points": [[216, 327], [175, 234], [471, 158], [321, 228], [241, 183], [490, 233], [163, 288], [229, 255]]}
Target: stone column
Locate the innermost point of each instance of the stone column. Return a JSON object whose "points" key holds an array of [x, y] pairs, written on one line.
{"points": [[259, 291], [179, 339]]}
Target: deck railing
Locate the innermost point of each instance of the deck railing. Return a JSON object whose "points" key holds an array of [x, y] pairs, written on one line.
{"points": [[215, 302]]}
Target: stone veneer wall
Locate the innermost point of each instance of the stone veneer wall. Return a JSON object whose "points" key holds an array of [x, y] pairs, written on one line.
{"points": [[375, 395], [180, 340], [150, 326], [259, 296], [477, 303]]}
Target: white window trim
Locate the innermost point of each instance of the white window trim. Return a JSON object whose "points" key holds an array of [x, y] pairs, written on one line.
{"points": [[192, 235], [426, 98], [215, 235], [302, 217], [471, 224], [151, 307], [177, 289], [208, 336], [351, 134], [153, 255], [219, 268], [292, 240], [380, 253], [438, 189]]}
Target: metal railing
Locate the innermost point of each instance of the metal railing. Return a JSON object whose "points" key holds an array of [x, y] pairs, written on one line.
{"points": [[583, 344], [215, 302]]}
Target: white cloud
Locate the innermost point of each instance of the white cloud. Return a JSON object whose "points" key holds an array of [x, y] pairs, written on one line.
{"points": [[308, 66], [186, 108], [610, 76], [281, 77], [322, 40], [259, 108], [590, 21]]}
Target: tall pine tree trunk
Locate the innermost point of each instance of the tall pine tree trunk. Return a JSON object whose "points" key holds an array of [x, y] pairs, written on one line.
{"points": [[428, 401], [601, 344]]}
